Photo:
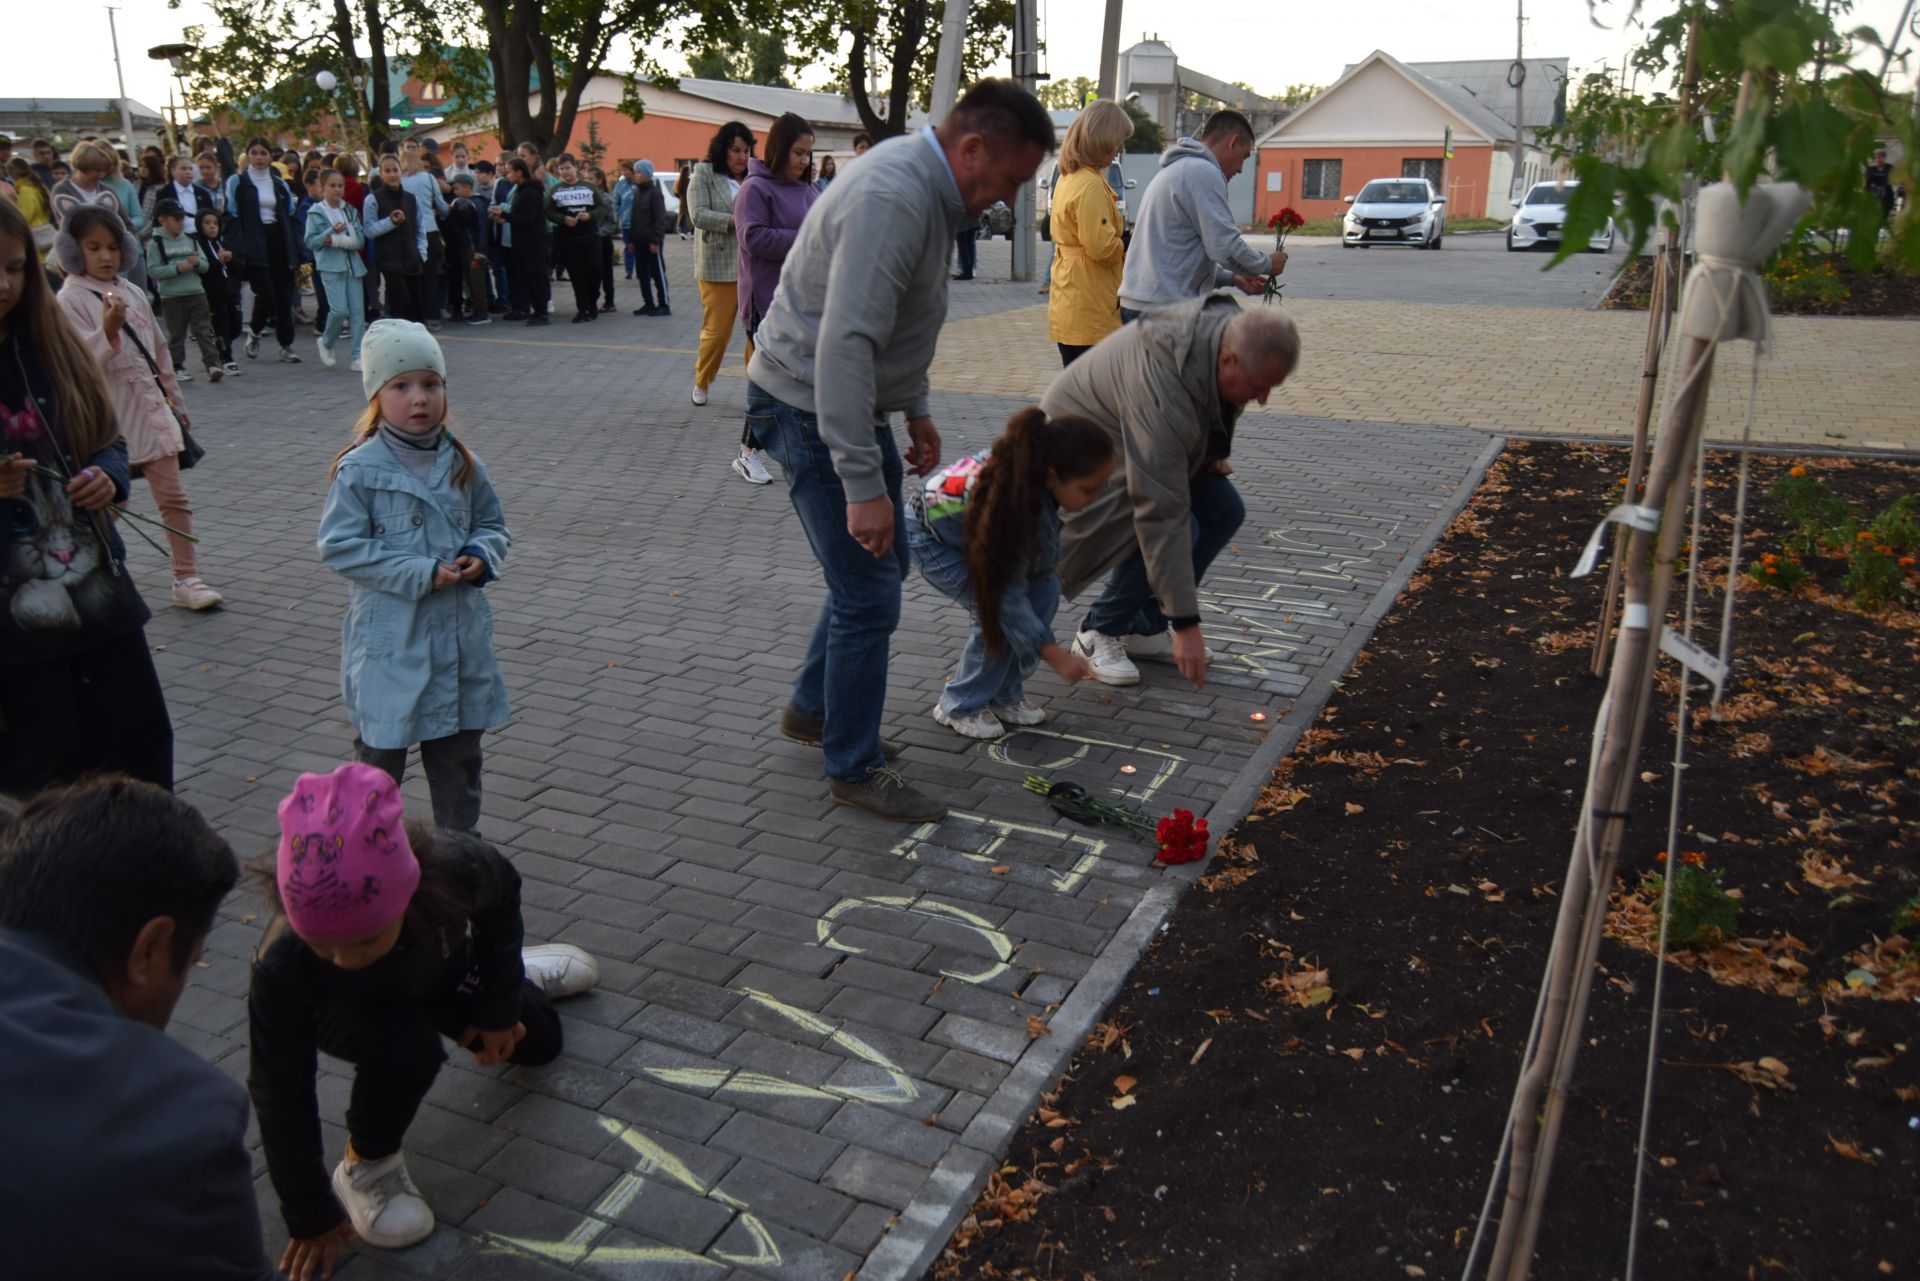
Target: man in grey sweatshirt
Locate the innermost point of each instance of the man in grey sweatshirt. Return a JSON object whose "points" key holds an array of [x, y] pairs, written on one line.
{"points": [[1185, 241], [849, 339]]}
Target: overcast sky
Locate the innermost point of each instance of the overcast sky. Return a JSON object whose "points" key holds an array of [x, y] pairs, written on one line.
{"points": [[1267, 45]]}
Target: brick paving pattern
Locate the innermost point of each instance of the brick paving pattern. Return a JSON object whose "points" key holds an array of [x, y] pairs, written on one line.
{"points": [[803, 1009]]}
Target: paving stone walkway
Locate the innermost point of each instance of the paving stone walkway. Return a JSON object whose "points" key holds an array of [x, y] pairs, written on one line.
{"points": [[813, 1033]]}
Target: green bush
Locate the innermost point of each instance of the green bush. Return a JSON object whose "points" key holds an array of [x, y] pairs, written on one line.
{"points": [[1874, 578], [1703, 911]]}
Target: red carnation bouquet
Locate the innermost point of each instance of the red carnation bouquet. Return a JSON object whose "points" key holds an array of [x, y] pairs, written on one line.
{"points": [[1183, 838], [1280, 224]]}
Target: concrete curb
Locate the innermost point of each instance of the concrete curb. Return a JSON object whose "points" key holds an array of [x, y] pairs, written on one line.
{"points": [[936, 1210]]}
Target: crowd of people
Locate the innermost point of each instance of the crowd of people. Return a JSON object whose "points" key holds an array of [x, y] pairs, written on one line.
{"points": [[388, 935]]}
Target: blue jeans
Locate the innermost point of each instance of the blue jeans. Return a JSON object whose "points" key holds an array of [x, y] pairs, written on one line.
{"points": [[979, 679], [969, 253], [1127, 606], [346, 302], [843, 680]]}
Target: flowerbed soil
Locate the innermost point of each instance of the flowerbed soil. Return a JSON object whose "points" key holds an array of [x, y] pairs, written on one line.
{"points": [[1320, 1047], [1875, 293]]}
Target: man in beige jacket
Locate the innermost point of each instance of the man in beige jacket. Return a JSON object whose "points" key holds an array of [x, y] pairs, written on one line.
{"points": [[1169, 388]]}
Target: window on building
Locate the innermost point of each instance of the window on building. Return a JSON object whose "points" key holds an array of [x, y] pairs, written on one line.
{"points": [[1320, 180], [1434, 171]]}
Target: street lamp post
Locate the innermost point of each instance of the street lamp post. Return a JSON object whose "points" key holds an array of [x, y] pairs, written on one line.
{"points": [[175, 56]]}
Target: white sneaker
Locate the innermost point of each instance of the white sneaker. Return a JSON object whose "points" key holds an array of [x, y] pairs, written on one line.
{"points": [[979, 724], [287, 357], [748, 466], [182, 376], [379, 1197], [699, 394], [233, 369], [252, 345], [1107, 655], [1024, 712], [559, 969], [326, 353], [191, 593], [355, 366]]}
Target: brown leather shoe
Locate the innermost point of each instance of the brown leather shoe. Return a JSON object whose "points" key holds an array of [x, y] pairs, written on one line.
{"points": [[884, 794], [807, 731]]}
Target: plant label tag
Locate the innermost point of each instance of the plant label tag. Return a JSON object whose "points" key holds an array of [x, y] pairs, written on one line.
{"points": [[1706, 666]]}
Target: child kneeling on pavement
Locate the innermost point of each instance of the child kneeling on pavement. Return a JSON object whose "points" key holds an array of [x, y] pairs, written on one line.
{"points": [[985, 531], [387, 935]]}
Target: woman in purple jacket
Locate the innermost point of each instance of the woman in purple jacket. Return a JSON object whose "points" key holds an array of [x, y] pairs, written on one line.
{"points": [[767, 213]]}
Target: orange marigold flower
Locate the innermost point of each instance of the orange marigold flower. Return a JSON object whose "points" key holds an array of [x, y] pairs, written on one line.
{"points": [[1906, 562], [1772, 570], [1864, 536], [1884, 551], [1694, 858], [1661, 857], [1796, 471]]}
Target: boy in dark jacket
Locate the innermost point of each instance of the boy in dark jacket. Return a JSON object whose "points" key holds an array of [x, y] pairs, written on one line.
{"points": [[574, 209], [648, 229], [467, 245]]}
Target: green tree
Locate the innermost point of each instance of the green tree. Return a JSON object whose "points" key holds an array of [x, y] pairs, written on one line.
{"points": [[1778, 90], [263, 63], [1148, 137], [900, 41], [762, 61], [1065, 95]]}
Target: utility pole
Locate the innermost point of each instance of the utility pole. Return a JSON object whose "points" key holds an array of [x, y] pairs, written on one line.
{"points": [[1026, 70], [1517, 77], [126, 117], [946, 72], [1110, 51]]}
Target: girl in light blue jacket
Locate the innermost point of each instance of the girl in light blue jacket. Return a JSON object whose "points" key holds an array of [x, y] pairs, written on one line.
{"points": [[333, 233], [412, 523]]}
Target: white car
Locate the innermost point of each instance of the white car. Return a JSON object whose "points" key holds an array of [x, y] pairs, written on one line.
{"points": [[1395, 211], [1541, 215]]}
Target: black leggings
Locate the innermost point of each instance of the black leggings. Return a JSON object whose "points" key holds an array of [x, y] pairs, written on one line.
{"points": [[531, 262], [99, 711], [396, 1052], [406, 294], [273, 288], [606, 269]]}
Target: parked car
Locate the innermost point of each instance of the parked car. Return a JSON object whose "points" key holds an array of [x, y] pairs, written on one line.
{"points": [[1118, 181], [1395, 211], [1541, 215], [997, 221]]}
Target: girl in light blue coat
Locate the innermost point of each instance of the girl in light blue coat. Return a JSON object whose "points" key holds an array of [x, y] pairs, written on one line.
{"points": [[413, 525], [333, 233]]}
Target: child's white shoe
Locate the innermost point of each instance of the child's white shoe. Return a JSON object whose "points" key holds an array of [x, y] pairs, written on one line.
{"points": [[191, 593], [326, 353], [355, 366], [379, 1197], [1024, 712], [975, 724], [559, 969]]}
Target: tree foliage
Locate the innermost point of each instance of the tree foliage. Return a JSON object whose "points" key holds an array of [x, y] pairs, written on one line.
{"points": [[760, 60], [259, 59], [1148, 137], [1066, 94], [900, 41], [1813, 115]]}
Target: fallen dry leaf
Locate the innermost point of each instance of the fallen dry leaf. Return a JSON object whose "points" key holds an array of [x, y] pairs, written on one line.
{"points": [[1124, 1102], [1124, 1084], [1356, 1054], [1852, 1151], [1202, 1050], [1036, 1027], [1355, 809], [1000, 870]]}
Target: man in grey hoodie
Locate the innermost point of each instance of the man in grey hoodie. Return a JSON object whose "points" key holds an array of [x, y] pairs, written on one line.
{"points": [[1185, 241], [847, 340]]}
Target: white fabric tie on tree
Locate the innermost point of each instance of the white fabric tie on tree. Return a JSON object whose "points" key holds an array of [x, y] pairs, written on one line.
{"points": [[1725, 297]]}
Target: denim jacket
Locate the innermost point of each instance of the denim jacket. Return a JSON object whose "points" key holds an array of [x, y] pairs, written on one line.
{"points": [[939, 510], [415, 664]]}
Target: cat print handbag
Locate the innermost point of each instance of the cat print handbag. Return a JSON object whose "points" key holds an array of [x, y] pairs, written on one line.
{"points": [[191, 451]]}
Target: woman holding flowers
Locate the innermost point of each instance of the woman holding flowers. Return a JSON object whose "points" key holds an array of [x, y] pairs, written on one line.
{"points": [[1083, 304], [78, 693]]}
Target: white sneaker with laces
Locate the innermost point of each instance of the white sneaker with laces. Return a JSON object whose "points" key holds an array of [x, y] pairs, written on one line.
{"points": [[751, 467], [232, 368], [252, 345], [975, 724], [387, 1210], [559, 969], [1107, 655], [191, 593], [182, 376], [355, 366], [699, 394], [1024, 712], [326, 353]]}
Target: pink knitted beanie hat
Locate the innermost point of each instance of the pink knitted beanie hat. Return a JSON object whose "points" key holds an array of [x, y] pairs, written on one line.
{"points": [[344, 866]]}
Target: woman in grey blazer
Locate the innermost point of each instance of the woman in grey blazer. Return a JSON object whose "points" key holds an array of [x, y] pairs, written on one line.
{"points": [[717, 247]]}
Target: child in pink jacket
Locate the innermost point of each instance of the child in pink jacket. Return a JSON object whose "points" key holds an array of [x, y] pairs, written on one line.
{"points": [[113, 318]]}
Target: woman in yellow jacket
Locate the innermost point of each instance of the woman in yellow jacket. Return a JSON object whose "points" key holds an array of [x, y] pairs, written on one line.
{"points": [[35, 202], [1083, 306]]}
